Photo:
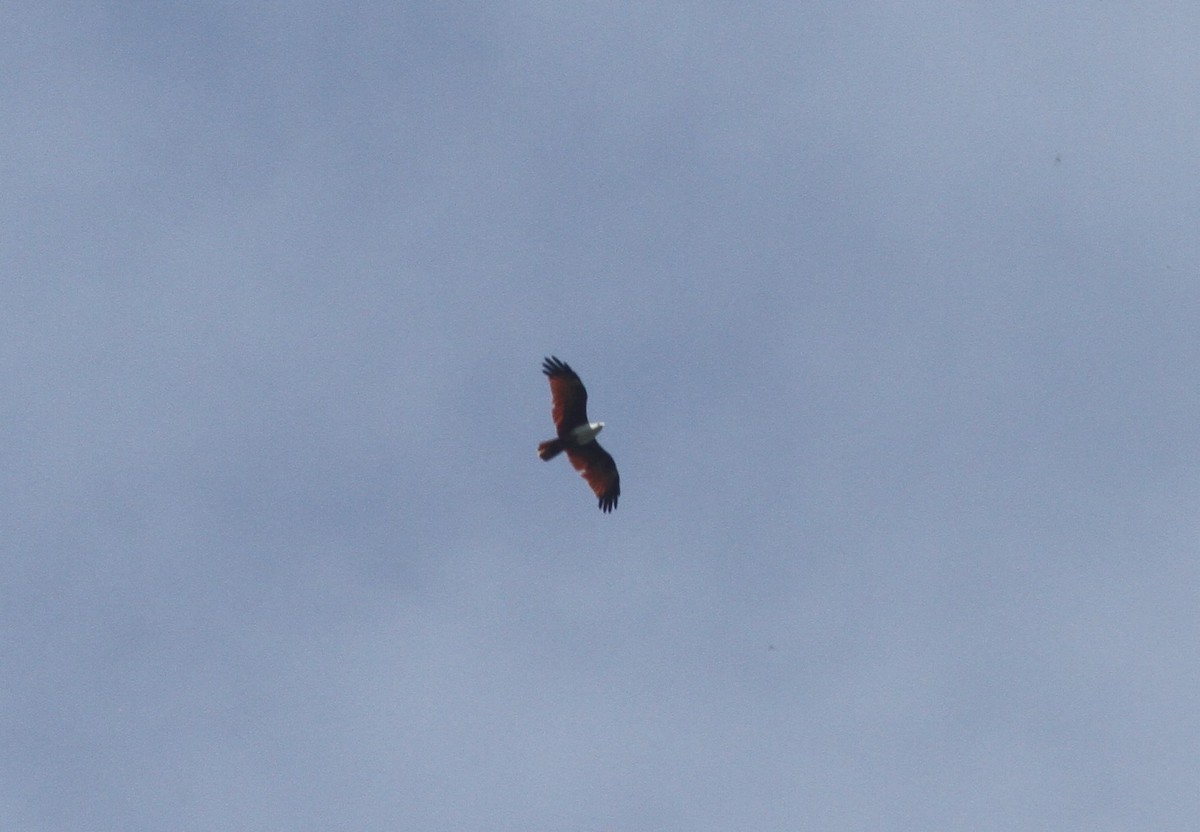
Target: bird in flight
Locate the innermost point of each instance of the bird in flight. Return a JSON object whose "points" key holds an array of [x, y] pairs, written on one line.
{"points": [[577, 436]]}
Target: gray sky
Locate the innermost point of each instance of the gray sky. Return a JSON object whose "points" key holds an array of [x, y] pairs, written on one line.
{"points": [[890, 309]]}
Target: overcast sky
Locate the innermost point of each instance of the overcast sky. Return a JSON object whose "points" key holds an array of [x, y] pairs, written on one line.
{"points": [[891, 310]]}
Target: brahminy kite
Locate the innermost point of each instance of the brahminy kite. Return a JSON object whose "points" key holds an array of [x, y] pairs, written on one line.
{"points": [[577, 436]]}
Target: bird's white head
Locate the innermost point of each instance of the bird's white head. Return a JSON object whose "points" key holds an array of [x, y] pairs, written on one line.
{"points": [[586, 433]]}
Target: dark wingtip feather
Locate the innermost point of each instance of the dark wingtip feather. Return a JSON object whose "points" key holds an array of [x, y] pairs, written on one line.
{"points": [[553, 366]]}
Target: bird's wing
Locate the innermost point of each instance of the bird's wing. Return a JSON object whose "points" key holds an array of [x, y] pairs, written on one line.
{"points": [[568, 394], [597, 467]]}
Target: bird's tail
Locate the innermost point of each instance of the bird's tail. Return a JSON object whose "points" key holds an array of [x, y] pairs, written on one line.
{"points": [[550, 448]]}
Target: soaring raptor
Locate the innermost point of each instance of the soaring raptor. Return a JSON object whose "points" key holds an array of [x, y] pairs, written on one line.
{"points": [[577, 436]]}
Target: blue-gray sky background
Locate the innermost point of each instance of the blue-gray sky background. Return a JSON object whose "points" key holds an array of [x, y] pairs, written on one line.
{"points": [[891, 310]]}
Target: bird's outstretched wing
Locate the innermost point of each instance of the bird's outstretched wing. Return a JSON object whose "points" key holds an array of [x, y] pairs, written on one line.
{"points": [[568, 393], [597, 467]]}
